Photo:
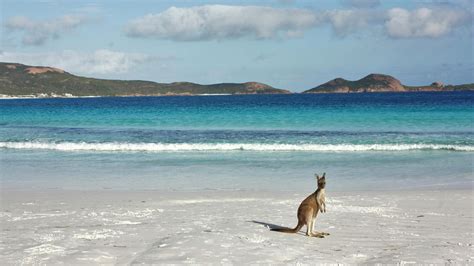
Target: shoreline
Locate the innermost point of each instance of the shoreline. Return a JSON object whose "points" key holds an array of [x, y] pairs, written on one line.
{"points": [[222, 227], [231, 147], [16, 97], [7, 97], [414, 189]]}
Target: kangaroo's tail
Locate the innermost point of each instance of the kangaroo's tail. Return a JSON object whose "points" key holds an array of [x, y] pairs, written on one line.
{"points": [[289, 230]]}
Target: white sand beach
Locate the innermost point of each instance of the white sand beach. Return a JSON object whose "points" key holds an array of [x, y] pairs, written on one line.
{"points": [[232, 227]]}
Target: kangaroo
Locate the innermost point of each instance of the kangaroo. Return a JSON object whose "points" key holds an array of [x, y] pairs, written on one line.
{"points": [[308, 210]]}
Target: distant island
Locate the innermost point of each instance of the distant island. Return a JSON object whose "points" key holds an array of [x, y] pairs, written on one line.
{"points": [[18, 80], [381, 83]]}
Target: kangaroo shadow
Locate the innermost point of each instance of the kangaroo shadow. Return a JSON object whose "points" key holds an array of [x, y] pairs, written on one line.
{"points": [[268, 225]]}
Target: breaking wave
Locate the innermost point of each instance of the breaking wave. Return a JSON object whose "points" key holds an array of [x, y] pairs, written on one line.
{"points": [[184, 147]]}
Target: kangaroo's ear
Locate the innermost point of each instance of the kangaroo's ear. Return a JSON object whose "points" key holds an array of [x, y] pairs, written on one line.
{"points": [[317, 176], [324, 175]]}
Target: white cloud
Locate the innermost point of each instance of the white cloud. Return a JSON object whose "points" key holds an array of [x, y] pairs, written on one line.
{"points": [[214, 22], [217, 22], [97, 62], [424, 22], [345, 22], [38, 32], [399, 23]]}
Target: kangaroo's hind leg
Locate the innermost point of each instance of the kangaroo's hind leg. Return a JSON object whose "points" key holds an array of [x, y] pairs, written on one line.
{"points": [[314, 232], [310, 224], [307, 217]]}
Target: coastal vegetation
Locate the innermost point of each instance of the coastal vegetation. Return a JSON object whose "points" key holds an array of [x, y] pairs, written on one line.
{"points": [[18, 80], [381, 83]]}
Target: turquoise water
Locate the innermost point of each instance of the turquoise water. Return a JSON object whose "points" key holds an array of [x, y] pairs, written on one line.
{"points": [[363, 141]]}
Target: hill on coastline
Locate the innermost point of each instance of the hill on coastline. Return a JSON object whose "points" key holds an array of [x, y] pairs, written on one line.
{"points": [[20, 80], [380, 83]]}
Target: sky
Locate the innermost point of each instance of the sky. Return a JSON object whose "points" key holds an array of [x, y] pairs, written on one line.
{"points": [[288, 44]]}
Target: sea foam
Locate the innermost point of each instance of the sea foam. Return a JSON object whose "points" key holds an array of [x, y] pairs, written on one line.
{"points": [[186, 147]]}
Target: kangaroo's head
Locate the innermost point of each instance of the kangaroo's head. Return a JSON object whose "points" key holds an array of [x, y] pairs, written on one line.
{"points": [[321, 180]]}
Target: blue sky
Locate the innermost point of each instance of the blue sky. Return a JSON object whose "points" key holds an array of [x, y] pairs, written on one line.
{"points": [[288, 44]]}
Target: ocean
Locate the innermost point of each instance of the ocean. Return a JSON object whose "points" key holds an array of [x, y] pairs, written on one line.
{"points": [[369, 141]]}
